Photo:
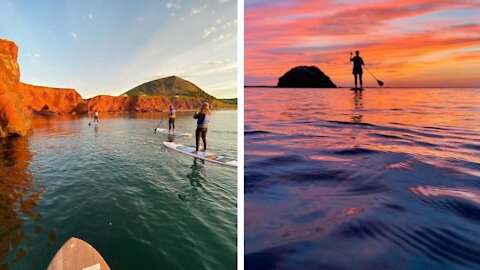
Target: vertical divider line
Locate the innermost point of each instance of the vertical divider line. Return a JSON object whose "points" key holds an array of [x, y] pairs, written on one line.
{"points": [[240, 130]]}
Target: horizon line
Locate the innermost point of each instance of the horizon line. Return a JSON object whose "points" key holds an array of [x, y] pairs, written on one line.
{"points": [[274, 86]]}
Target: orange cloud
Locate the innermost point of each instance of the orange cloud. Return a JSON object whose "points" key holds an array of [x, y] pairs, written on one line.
{"points": [[407, 43]]}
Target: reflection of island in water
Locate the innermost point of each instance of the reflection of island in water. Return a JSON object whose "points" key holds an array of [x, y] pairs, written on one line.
{"points": [[18, 199]]}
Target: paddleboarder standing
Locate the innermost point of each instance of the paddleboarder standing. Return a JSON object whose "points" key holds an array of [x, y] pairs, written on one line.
{"points": [[203, 117], [95, 117], [171, 119], [357, 67]]}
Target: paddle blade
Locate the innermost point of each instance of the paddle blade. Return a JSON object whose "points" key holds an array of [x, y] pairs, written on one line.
{"points": [[380, 83]]}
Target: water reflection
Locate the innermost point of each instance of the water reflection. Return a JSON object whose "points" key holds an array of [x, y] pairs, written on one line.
{"points": [[358, 107], [196, 175], [332, 187], [117, 188], [461, 193], [18, 199]]}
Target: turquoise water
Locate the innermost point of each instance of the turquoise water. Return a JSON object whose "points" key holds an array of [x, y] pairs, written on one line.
{"points": [[117, 187]]}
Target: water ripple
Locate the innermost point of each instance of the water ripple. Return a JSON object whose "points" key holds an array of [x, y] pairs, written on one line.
{"points": [[383, 180], [118, 187]]}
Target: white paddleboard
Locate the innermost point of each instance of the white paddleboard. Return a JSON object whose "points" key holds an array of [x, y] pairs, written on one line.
{"points": [[176, 133], [208, 156]]}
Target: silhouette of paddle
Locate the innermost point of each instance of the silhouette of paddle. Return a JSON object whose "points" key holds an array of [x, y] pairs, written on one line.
{"points": [[379, 82]]}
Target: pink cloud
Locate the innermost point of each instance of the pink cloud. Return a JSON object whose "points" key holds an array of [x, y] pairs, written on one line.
{"points": [[279, 37]]}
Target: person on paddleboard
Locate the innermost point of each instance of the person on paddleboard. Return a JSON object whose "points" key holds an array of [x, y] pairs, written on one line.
{"points": [[95, 118], [171, 119], [203, 117], [357, 67]]}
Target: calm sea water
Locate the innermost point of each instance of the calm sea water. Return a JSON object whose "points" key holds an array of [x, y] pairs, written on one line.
{"points": [[383, 179], [117, 187]]}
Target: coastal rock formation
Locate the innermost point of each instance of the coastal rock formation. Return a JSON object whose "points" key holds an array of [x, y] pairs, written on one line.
{"points": [[49, 100], [9, 70], [305, 77], [104, 103], [54, 101], [14, 118], [19, 100]]}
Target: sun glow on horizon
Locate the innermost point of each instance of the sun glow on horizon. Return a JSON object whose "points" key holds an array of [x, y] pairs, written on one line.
{"points": [[421, 43]]}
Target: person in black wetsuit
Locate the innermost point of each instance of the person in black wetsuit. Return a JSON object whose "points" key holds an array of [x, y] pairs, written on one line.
{"points": [[203, 117], [357, 67]]}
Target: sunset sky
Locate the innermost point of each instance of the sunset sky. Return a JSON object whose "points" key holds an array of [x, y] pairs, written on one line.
{"points": [[425, 43], [109, 47]]}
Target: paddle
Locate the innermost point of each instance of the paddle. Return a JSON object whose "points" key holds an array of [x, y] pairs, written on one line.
{"points": [[161, 121], [379, 82]]}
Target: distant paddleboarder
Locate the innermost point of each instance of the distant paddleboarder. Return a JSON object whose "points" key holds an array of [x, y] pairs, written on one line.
{"points": [[203, 117], [171, 119], [357, 67], [95, 118]]}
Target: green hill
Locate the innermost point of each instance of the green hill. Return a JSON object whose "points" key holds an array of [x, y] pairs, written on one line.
{"points": [[169, 86]]}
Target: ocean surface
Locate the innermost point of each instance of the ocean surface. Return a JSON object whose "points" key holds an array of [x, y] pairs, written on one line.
{"points": [[139, 204], [380, 179]]}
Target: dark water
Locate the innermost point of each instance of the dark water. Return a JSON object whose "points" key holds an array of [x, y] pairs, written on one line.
{"points": [[384, 179], [117, 187]]}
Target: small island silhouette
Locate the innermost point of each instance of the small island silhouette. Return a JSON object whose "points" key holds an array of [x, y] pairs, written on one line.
{"points": [[305, 77], [301, 77]]}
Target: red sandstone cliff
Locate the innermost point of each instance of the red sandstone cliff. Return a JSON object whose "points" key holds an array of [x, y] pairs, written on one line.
{"points": [[104, 103], [14, 118], [52, 100], [18, 100]]}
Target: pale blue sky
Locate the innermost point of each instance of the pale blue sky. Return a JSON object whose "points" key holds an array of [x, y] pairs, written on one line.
{"points": [[111, 46]]}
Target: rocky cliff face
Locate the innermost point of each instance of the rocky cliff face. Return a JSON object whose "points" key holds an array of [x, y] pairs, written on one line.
{"points": [[54, 101], [49, 100], [105, 103], [19, 100], [8, 65], [305, 77], [14, 118]]}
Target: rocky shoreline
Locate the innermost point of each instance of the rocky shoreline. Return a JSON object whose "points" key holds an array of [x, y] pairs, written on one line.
{"points": [[19, 101]]}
